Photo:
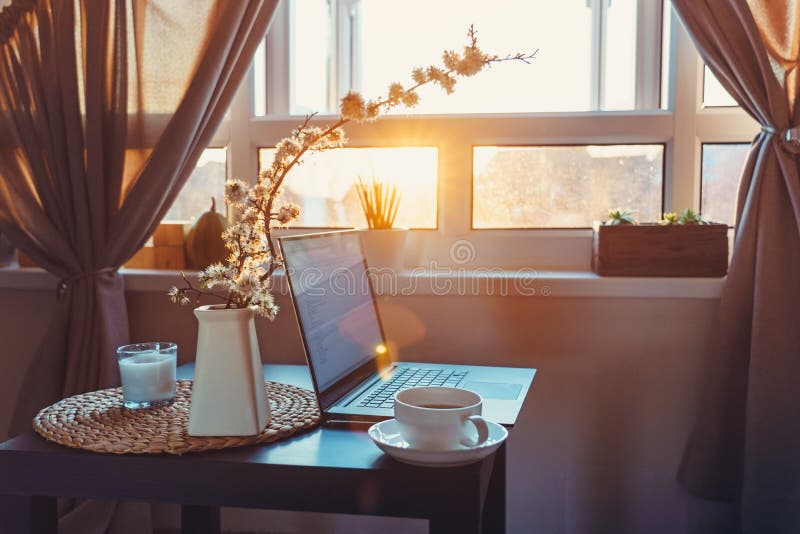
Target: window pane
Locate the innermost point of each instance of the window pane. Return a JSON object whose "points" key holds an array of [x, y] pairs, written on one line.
{"points": [[619, 91], [564, 186], [324, 185], [310, 56], [714, 95], [207, 180], [260, 80], [395, 38], [666, 29], [721, 172]]}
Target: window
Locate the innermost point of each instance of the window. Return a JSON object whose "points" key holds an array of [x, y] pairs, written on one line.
{"points": [[325, 184], [615, 111], [311, 54], [565, 186], [206, 181], [507, 25], [714, 95], [336, 45], [722, 167]]}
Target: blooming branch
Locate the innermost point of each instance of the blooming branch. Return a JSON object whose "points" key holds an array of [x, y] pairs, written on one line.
{"points": [[246, 274]]}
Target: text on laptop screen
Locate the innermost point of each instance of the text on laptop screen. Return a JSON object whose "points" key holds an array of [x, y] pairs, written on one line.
{"points": [[334, 304]]}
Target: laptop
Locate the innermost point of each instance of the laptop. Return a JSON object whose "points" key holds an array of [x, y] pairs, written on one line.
{"points": [[352, 364]]}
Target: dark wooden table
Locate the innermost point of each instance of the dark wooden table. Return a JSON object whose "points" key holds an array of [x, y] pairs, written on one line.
{"points": [[336, 470]]}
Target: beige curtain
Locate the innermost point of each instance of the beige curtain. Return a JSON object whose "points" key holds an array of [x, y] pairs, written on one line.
{"points": [[745, 447], [105, 107]]}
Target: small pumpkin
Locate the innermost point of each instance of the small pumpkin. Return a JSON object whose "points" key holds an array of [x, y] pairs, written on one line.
{"points": [[204, 243]]}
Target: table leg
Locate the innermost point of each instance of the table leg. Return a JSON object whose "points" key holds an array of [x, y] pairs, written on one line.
{"points": [[494, 508], [458, 511], [34, 515], [200, 519], [475, 508], [461, 522]]}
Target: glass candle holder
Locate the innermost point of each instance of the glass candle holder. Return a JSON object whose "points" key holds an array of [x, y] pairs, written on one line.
{"points": [[147, 371]]}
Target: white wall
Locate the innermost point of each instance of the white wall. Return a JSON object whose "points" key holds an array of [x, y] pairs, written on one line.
{"points": [[602, 433]]}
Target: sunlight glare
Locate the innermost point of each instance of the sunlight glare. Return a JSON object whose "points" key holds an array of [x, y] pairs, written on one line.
{"points": [[396, 40], [324, 185]]}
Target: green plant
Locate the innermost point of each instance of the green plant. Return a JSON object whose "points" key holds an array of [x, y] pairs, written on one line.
{"points": [[670, 218], [692, 217], [379, 202], [617, 217]]}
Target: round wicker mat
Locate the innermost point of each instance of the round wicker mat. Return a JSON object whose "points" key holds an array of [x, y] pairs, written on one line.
{"points": [[97, 422]]}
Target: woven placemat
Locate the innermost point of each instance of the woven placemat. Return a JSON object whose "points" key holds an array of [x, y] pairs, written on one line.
{"points": [[98, 422]]}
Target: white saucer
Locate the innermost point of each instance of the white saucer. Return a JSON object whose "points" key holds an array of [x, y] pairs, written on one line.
{"points": [[386, 436]]}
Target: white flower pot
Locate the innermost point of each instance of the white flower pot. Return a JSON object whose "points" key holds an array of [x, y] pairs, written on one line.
{"points": [[228, 395], [385, 248]]}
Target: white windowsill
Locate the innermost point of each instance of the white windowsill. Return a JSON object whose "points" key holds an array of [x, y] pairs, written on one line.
{"points": [[545, 284]]}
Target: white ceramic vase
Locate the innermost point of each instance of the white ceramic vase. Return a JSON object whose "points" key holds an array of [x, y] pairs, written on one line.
{"points": [[228, 395]]}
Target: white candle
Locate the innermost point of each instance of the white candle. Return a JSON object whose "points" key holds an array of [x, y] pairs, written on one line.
{"points": [[148, 376]]}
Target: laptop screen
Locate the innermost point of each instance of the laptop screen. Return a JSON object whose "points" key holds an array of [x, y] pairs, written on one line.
{"points": [[334, 304]]}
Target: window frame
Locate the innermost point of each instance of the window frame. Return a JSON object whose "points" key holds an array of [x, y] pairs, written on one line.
{"points": [[683, 127]]}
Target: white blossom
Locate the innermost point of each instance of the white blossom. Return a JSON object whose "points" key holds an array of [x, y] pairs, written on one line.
{"points": [[353, 107], [174, 294], [236, 192], [287, 213]]}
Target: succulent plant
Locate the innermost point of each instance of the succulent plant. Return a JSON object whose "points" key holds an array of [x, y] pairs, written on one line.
{"points": [[691, 217], [617, 217], [670, 218]]}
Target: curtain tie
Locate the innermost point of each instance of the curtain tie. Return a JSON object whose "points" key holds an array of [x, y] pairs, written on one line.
{"points": [[64, 283], [789, 138]]}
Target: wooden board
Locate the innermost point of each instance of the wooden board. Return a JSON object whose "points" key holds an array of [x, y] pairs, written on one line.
{"points": [[165, 252], [168, 234], [144, 259], [656, 250], [170, 257]]}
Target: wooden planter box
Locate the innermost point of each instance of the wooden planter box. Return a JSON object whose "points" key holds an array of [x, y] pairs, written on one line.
{"points": [[656, 250]]}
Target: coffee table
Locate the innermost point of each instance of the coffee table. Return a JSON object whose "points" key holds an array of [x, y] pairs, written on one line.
{"points": [[328, 469]]}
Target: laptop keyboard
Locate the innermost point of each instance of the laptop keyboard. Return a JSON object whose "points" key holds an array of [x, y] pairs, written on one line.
{"points": [[409, 377]]}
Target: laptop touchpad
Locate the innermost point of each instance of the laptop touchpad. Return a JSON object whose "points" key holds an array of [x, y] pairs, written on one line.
{"points": [[494, 390]]}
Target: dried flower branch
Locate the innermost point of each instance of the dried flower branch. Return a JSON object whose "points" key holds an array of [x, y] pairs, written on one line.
{"points": [[253, 258]]}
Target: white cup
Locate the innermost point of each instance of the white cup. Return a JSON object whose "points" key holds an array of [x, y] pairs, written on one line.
{"points": [[440, 418]]}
